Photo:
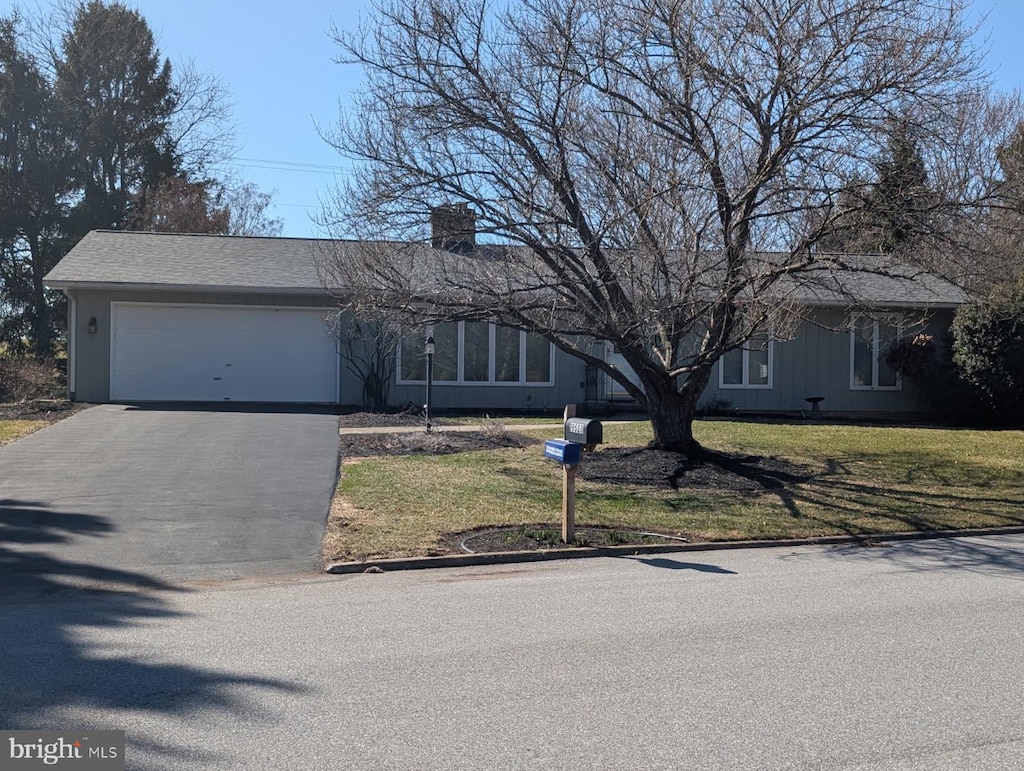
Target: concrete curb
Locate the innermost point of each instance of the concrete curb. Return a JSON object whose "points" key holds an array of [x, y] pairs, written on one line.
{"points": [[512, 557]]}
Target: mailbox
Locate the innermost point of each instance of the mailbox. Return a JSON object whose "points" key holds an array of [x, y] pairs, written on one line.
{"points": [[566, 453], [584, 431]]}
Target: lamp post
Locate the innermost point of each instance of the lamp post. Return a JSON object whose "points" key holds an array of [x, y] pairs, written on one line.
{"points": [[429, 350]]}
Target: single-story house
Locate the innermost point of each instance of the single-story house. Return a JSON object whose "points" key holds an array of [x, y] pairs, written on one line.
{"points": [[180, 317]]}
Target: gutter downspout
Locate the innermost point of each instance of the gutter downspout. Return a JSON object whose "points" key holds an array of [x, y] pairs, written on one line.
{"points": [[72, 343]]}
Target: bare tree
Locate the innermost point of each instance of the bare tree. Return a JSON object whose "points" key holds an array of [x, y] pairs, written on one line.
{"points": [[999, 271], [654, 173], [201, 130], [176, 205], [248, 209], [369, 348]]}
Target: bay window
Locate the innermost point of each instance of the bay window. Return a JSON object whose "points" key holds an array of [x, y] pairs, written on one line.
{"points": [[478, 353]]}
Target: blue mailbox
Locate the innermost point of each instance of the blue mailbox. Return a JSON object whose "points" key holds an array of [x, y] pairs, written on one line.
{"points": [[566, 453]]}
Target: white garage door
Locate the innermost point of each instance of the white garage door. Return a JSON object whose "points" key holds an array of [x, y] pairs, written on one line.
{"points": [[221, 353]]}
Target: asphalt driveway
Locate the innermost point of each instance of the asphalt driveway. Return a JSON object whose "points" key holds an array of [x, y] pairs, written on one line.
{"points": [[153, 496]]}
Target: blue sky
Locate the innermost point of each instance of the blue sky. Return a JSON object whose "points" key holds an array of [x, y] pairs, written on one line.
{"points": [[276, 61]]}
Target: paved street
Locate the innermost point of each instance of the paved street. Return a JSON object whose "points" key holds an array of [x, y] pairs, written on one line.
{"points": [[909, 656], [138, 496]]}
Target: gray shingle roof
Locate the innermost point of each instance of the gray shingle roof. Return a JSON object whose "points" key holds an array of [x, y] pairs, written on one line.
{"points": [[286, 265], [200, 261], [873, 280]]}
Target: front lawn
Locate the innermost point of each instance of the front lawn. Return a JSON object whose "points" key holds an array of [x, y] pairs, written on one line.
{"points": [[819, 480], [19, 419], [15, 429]]}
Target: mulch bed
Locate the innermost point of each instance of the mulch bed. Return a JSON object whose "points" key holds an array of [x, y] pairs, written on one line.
{"points": [[437, 442], [659, 469], [49, 410], [380, 419], [637, 466]]}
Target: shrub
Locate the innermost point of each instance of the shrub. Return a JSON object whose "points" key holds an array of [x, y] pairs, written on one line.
{"points": [[927, 361], [27, 379], [494, 430], [988, 351]]}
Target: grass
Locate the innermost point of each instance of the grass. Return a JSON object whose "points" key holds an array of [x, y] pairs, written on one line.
{"points": [[865, 480], [15, 429]]}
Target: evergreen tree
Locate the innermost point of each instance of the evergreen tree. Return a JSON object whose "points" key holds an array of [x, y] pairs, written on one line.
{"points": [[35, 180], [891, 214], [988, 351], [901, 198], [119, 99]]}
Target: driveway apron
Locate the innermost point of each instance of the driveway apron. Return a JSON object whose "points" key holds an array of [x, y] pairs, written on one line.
{"points": [[166, 495]]}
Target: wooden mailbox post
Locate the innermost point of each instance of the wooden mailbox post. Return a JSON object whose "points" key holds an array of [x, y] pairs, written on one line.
{"points": [[581, 434]]}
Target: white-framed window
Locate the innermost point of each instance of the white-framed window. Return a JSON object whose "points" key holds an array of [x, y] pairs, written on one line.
{"points": [[869, 340], [478, 353], [749, 366]]}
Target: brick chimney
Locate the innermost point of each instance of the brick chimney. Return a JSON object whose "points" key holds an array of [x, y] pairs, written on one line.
{"points": [[453, 228]]}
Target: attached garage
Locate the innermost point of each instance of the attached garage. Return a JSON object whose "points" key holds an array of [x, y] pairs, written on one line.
{"points": [[221, 353], [177, 317]]}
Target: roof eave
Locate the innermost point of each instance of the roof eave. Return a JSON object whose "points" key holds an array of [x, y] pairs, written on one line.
{"points": [[119, 286], [937, 305]]}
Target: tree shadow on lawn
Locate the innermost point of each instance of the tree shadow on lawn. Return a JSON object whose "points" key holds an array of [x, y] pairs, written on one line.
{"points": [[917, 510], [776, 473], [861, 504], [838, 490], [725, 470], [929, 468], [47, 606]]}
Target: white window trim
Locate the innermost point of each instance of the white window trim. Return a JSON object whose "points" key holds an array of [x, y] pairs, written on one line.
{"points": [[491, 367], [876, 345], [746, 385]]}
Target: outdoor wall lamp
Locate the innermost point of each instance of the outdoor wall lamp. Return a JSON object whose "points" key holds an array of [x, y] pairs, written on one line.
{"points": [[92, 326], [429, 350]]}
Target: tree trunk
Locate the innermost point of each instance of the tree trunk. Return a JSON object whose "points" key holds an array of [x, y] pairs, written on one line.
{"points": [[41, 327], [672, 413]]}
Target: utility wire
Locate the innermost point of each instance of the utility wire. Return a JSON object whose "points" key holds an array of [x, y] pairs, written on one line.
{"points": [[295, 166]]}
